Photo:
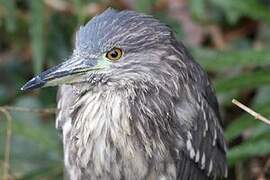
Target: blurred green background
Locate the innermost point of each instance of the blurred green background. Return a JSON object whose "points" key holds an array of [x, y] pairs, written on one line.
{"points": [[229, 38]]}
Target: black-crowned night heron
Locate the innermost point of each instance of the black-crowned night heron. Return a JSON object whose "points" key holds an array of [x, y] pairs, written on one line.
{"points": [[134, 105]]}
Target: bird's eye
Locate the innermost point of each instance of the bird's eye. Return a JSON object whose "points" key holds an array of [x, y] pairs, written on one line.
{"points": [[114, 54]]}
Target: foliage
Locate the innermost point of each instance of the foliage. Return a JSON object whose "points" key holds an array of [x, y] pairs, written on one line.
{"points": [[36, 34]]}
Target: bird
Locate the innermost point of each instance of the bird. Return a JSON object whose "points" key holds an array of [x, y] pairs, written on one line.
{"points": [[133, 104]]}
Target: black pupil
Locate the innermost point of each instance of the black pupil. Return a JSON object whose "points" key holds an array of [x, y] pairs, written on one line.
{"points": [[114, 54]]}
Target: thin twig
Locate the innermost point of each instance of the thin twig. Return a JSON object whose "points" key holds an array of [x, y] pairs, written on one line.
{"points": [[5, 110], [7, 143], [250, 111], [33, 110]]}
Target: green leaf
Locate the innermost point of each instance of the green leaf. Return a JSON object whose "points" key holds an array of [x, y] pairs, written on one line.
{"points": [[38, 135], [54, 171], [220, 60], [251, 80], [262, 95], [260, 132], [78, 4], [144, 5], [29, 126], [246, 121], [37, 33], [250, 8], [248, 149], [197, 8], [10, 22]]}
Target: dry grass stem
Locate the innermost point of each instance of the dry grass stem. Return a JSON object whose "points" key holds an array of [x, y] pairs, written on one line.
{"points": [[250, 111], [5, 111], [32, 110], [7, 143]]}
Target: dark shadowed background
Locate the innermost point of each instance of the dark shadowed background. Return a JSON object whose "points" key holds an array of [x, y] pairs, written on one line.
{"points": [[229, 38]]}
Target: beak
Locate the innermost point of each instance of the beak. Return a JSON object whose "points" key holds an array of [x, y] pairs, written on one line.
{"points": [[68, 72]]}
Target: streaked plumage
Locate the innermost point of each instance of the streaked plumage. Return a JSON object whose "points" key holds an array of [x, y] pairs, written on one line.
{"points": [[151, 115]]}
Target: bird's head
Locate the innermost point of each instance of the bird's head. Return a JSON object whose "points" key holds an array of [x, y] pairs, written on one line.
{"points": [[112, 47]]}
